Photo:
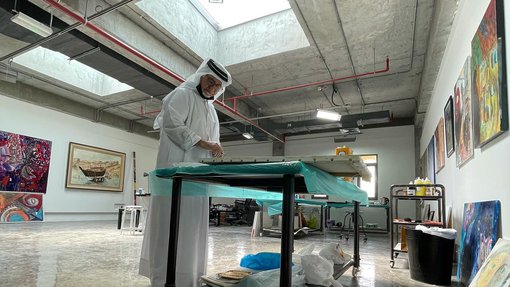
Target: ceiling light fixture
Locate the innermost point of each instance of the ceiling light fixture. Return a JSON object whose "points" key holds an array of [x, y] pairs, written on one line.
{"points": [[328, 115], [247, 135], [32, 24]]}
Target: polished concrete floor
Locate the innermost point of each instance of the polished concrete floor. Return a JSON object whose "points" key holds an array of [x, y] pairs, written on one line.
{"points": [[95, 254]]}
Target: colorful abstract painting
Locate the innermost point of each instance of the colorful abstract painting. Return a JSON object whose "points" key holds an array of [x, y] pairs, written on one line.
{"points": [[488, 73], [24, 163], [495, 271], [479, 235], [18, 206], [462, 116], [448, 127], [439, 145]]}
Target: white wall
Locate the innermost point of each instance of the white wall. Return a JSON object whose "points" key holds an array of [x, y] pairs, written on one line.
{"points": [[59, 203], [484, 176], [393, 145], [395, 149]]}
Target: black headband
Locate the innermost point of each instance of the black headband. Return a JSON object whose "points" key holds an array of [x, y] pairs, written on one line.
{"points": [[217, 70]]}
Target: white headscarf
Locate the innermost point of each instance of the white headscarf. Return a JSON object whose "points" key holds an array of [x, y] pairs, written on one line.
{"points": [[213, 68], [208, 67]]}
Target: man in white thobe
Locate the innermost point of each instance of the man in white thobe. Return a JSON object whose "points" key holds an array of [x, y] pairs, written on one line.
{"points": [[189, 131]]}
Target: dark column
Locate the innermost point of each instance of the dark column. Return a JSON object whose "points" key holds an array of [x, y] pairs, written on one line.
{"points": [[174, 232], [356, 234], [287, 231]]}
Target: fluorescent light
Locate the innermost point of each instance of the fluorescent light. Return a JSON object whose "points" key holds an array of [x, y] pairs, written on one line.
{"points": [[247, 136], [32, 24], [327, 115]]}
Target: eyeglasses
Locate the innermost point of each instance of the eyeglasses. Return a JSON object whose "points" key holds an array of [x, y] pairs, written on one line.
{"points": [[212, 82]]}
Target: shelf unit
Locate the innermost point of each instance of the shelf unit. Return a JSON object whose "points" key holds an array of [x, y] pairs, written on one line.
{"points": [[395, 197]]}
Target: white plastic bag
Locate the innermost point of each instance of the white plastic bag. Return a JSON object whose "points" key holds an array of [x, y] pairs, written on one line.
{"points": [[306, 250], [334, 252], [318, 271], [271, 278]]}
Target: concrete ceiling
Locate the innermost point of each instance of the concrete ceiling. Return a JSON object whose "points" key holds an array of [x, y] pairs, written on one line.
{"points": [[347, 37]]}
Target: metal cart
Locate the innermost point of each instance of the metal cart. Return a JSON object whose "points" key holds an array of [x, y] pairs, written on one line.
{"points": [[400, 192]]}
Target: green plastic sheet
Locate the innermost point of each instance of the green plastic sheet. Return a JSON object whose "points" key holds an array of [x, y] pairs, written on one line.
{"points": [[316, 180]]}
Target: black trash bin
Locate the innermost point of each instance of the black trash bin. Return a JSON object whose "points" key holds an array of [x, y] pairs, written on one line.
{"points": [[430, 257]]}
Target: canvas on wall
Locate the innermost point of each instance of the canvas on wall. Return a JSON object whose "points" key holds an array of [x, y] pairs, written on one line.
{"points": [[462, 116], [95, 168], [18, 206], [448, 127], [479, 234], [495, 271], [439, 145], [431, 174], [24, 163], [488, 75]]}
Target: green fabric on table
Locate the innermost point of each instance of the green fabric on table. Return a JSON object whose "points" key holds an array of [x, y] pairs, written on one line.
{"points": [[316, 180]]}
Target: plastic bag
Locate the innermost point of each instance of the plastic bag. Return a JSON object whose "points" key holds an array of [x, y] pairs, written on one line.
{"points": [[319, 271], [271, 278], [261, 261], [334, 252], [307, 250]]}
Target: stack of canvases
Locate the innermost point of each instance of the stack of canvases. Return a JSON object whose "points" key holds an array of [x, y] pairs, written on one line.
{"points": [[24, 166]]}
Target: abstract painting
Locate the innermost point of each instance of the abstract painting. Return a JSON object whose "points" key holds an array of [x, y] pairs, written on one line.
{"points": [[439, 145], [479, 234], [495, 271], [448, 125], [489, 76], [24, 163], [95, 168], [462, 116], [18, 206]]}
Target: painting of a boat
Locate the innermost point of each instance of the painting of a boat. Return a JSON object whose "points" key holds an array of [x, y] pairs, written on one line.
{"points": [[95, 168], [95, 173]]}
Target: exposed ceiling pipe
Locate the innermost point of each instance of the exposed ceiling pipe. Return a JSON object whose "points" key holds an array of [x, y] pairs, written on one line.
{"points": [[348, 50], [113, 39], [314, 110], [319, 51], [146, 59], [312, 84], [62, 32]]}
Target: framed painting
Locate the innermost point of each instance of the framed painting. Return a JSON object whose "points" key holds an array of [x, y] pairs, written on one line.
{"points": [[462, 116], [431, 162], [494, 271], [439, 145], [488, 73], [20, 206], [448, 127], [479, 233], [95, 168], [24, 163]]}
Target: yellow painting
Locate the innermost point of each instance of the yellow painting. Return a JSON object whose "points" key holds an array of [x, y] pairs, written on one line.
{"points": [[495, 271]]}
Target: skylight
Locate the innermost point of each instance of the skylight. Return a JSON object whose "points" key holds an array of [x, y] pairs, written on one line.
{"points": [[227, 13], [60, 68]]}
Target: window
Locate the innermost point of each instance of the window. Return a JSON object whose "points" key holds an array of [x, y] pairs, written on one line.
{"points": [[369, 186]]}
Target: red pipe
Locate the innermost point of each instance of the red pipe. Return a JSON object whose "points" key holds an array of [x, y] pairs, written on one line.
{"points": [[113, 39], [141, 56], [310, 84]]}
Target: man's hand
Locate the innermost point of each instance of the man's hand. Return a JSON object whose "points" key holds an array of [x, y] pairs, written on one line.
{"points": [[215, 148]]}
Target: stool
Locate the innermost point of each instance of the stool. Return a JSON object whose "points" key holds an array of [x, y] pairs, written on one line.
{"points": [[134, 224], [350, 215]]}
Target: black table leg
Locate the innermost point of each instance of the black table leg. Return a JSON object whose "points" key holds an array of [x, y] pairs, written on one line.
{"points": [[174, 232], [356, 234], [287, 243]]}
